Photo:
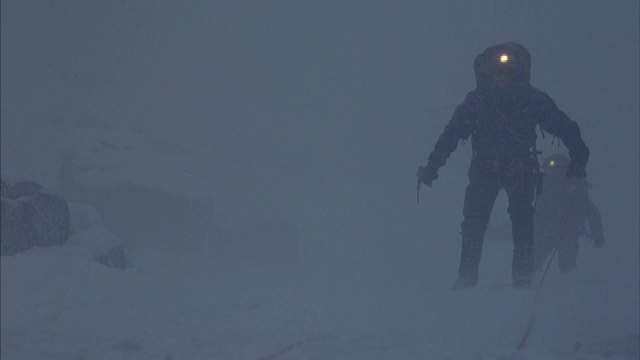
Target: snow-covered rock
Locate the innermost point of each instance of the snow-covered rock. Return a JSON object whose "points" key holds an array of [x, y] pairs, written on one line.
{"points": [[145, 192], [32, 216], [90, 240]]}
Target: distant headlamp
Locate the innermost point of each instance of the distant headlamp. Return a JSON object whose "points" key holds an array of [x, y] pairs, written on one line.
{"points": [[504, 58], [552, 163]]}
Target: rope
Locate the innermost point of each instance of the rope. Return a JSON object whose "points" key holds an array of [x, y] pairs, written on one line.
{"points": [[546, 270]]}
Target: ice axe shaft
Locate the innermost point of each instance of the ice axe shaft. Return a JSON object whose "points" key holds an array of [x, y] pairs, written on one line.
{"points": [[423, 178], [419, 174]]}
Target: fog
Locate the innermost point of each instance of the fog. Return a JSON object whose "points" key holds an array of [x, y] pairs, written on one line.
{"points": [[317, 114]]}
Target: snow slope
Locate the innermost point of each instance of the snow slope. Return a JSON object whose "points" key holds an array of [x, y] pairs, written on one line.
{"points": [[58, 304]]}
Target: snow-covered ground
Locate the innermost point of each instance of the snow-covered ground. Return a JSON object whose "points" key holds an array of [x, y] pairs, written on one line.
{"points": [[59, 304]]}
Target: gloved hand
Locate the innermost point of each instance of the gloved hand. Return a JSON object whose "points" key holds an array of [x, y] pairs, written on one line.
{"points": [[426, 175], [579, 156], [576, 169]]}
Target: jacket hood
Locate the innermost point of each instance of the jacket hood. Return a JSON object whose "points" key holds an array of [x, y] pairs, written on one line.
{"points": [[486, 63]]}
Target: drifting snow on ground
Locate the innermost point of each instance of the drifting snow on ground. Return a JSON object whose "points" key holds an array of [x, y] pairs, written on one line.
{"points": [[58, 304]]}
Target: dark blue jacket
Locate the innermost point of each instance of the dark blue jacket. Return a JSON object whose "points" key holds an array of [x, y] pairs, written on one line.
{"points": [[506, 133], [502, 123]]}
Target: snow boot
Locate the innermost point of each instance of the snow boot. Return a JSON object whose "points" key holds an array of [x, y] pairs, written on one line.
{"points": [[465, 281], [469, 263]]}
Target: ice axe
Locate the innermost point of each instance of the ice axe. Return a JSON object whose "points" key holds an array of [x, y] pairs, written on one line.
{"points": [[418, 173]]}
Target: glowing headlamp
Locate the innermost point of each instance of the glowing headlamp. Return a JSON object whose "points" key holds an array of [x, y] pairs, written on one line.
{"points": [[552, 163], [504, 58]]}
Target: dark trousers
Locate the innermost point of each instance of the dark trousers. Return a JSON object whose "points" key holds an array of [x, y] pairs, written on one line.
{"points": [[482, 190], [550, 235]]}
